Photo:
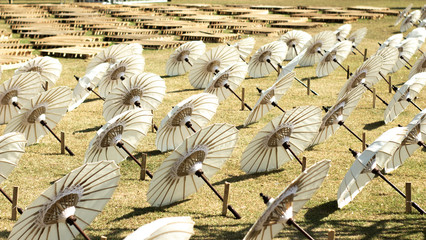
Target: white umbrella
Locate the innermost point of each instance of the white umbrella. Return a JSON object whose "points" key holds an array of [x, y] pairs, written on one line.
{"points": [[195, 161], [210, 63], [143, 90], [419, 34], [390, 56], [402, 14], [404, 96], [186, 118], [412, 18], [406, 50], [183, 57], [334, 58], [119, 71], [414, 139], [357, 37], [392, 41], [170, 228], [244, 47], [281, 140], [16, 92], [419, 66], [295, 40], [269, 98], [318, 43], [49, 69], [266, 59], [76, 199], [342, 32], [114, 54], [41, 114], [288, 203]]}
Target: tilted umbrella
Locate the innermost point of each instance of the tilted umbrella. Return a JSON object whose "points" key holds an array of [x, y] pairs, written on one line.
{"points": [[420, 35], [288, 203], [87, 84], [210, 63], [295, 41], [357, 37], [392, 41], [16, 92], [244, 47], [369, 164], [412, 18], [176, 228], [183, 57], [195, 161], [414, 139], [315, 47], [186, 118], [266, 59], [49, 69], [342, 32], [74, 200], [119, 137], [114, 54], [281, 140], [406, 50], [41, 114], [12, 146], [403, 14], [269, 98], [404, 96], [334, 58], [337, 115], [419, 66], [119, 71], [389, 57], [143, 90]]}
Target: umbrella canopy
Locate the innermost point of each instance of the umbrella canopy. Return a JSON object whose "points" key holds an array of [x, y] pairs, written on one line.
{"points": [[197, 110], [128, 128], [183, 57], [367, 73], [419, 34], [290, 66], [266, 59], [176, 228], [207, 150], [289, 202], [390, 56], [419, 66], [12, 146], [295, 41], [337, 114], [342, 32], [78, 197], [114, 54], [403, 14], [49, 69], [210, 63], [374, 157], [87, 83], [296, 127], [269, 98], [412, 17], [404, 95], [406, 50], [392, 41], [119, 71], [233, 75], [16, 92], [416, 132], [314, 48], [143, 90], [357, 36], [47, 107], [245, 46], [333, 57]]}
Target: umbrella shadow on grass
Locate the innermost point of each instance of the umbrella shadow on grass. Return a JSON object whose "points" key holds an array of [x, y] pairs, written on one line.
{"points": [[185, 90], [316, 214], [4, 234], [239, 178], [92, 129], [374, 125], [215, 233], [92, 99], [148, 153]]}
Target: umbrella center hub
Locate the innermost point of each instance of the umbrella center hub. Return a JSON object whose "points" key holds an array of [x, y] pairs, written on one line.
{"points": [[212, 66], [182, 55], [112, 136], [191, 162], [335, 115], [291, 42], [279, 136], [331, 56], [400, 49], [265, 56], [424, 63], [413, 136], [221, 80], [371, 164], [60, 207], [36, 69], [6, 99], [357, 79], [118, 72], [133, 95], [110, 60], [315, 48], [181, 116], [268, 97], [35, 114]]}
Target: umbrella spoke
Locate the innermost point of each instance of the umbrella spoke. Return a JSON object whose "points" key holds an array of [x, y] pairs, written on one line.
{"points": [[44, 124], [121, 145], [10, 200], [291, 222]]}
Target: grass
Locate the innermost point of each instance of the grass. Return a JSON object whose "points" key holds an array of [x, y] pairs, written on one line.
{"points": [[376, 213]]}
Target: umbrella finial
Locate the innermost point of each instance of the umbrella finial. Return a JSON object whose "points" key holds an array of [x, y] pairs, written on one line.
{"points": [[76, 78], [265, 198], [354, 153]]}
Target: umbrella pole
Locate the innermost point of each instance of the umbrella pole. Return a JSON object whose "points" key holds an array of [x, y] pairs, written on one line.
{"points": [[71, 220], [236, 95], [138, 104], [189, 125], [10, 200], [346, 70], [200, 173], [369, 89], [319, 51], [44, 124], [287, 147], [276, 105], [291, 222], [121, 145], [403, 59], [415, 105], [312, 91], [15, 104], [91, 89], [383, 77], [341, 123], [294, 47], [378, 173], [358, 50], [269, 61], [187, 60]]}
